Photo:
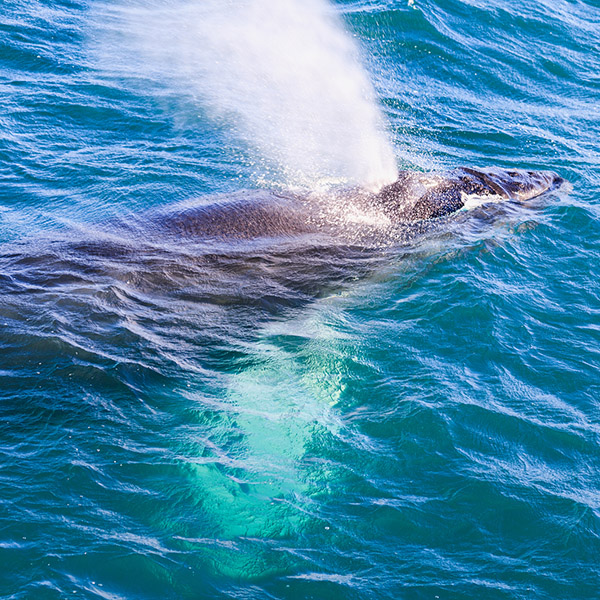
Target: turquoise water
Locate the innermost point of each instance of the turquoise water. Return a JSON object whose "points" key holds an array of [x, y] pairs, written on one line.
{"points": [[183, 420]]}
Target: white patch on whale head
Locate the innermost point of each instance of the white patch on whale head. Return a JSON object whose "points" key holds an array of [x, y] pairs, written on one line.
{"points": [[471, 201]]}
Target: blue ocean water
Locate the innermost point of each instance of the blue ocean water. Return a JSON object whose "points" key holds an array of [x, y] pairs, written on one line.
{"points": [[180, 420]]}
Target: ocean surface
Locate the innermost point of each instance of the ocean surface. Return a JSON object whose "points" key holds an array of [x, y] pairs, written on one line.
{"points": [[189, 418]]}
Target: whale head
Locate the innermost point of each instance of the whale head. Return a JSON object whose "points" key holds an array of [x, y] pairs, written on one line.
{"points": [[418, 196], [516, 184]]}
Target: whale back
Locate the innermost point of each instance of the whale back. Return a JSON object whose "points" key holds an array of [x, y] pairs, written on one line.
{"points": [[354, 215]]}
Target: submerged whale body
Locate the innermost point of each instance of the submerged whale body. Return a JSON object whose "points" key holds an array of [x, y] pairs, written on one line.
{"points": [[413, 198]]}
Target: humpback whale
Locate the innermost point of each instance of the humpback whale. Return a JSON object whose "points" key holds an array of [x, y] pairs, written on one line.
{"points": [[257, 252], [414, 198]]}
